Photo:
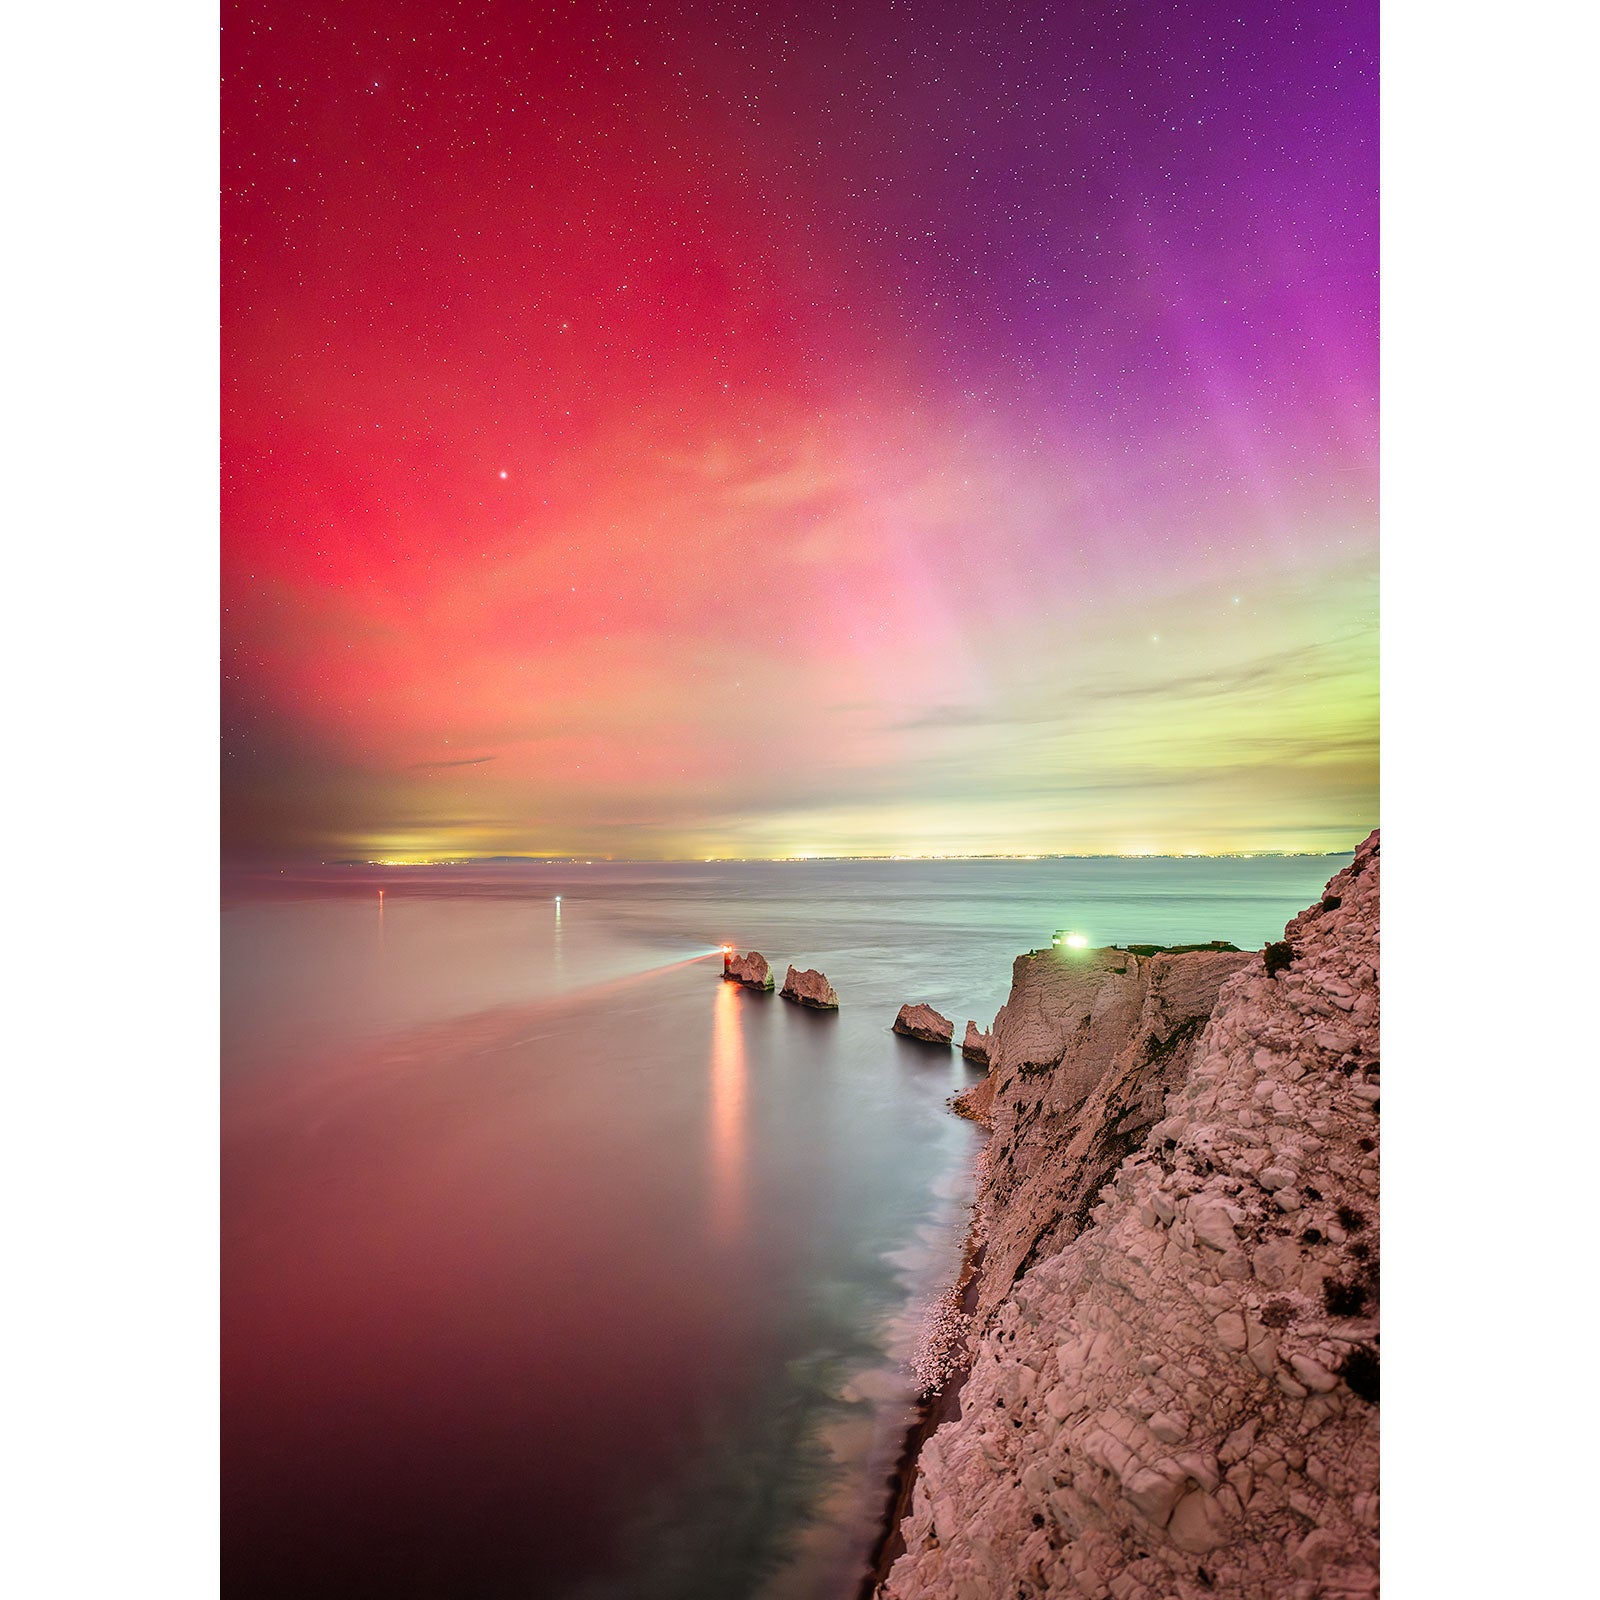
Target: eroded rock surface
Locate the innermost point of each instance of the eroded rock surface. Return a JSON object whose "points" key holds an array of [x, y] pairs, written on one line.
{"points": [[1124, 1030], [751, 970], [975, 1046], [976, 1103], [1174, 1382], [809, 988], [923, 1022]]}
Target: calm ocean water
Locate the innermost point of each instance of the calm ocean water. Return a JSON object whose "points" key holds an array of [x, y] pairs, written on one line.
{"points": [[554, 1266]]}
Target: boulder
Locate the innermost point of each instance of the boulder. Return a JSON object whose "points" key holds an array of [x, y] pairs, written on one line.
{"points": [[975, 1103], [975, 1047], [809, 988], [1198, 1523], [923, 1022], [751, 970]]}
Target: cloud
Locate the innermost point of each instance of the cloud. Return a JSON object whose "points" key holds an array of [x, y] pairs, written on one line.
{"points": [[1290, 665], [1301, 664]]}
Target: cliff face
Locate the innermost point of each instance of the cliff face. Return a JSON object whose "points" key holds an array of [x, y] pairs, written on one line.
{"points": [[1082, 1057], [1174, 1379]]}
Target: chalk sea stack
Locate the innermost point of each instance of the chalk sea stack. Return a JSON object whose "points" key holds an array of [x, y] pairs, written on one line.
{"points": [[923, 1022], [809, 988], [975, 1047], [751, 970], [1172, 1372]]}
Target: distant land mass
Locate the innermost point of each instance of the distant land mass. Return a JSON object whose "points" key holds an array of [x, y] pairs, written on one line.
{"points": [[707, 861]]}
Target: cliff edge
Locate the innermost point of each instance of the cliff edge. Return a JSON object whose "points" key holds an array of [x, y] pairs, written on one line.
{"points": [[1174, 1365]]}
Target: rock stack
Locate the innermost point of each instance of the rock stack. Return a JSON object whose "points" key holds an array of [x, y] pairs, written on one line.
{"points": [[1174, 1367], [975, 1047], [809, 988], [751, 970], [923, 1022]]}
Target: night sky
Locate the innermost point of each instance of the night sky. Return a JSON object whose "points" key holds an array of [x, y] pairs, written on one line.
{"points": [[724, 430]]}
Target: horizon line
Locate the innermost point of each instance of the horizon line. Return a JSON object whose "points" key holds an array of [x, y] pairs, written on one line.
{"points": [[796, 860]]}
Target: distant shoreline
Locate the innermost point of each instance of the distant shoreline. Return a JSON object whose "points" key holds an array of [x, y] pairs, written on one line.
{"points": [[772, 861]]}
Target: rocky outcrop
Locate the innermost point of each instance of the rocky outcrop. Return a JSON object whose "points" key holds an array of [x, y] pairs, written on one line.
{"points": [[975, 1047], [975, 1104], [923, 1022], [1084, 1054], [751, 970], [809, 988], [1174, 1365]]}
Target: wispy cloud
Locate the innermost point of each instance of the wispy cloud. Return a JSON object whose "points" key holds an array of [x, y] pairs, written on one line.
{"points": [[1307, 663]]}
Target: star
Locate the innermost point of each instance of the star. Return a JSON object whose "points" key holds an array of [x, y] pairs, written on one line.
{"points": [[502, 474]]}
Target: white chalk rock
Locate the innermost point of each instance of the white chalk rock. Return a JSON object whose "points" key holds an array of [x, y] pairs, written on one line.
{"points": [[976, 1045], [751, 970], [923, 1022], [809, 988], [1169, 1155], [1198, 1523]]}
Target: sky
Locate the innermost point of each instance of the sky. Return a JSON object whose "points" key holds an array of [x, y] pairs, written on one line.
{"points": [[681, 431]]}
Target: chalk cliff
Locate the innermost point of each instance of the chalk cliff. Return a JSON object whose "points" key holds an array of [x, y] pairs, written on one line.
{"points": [[1174, 1365]]}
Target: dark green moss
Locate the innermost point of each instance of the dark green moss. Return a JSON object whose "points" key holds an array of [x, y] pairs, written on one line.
{"points": [[1157, 1049], [1359, 1369], [1276, 957], [1344, 1297], [1035, 1248], [1176, 949], [1278, 1313]]}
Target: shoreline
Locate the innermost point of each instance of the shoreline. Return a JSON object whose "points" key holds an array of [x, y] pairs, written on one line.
{"points": [[933, 1410], [1175, 1386]]}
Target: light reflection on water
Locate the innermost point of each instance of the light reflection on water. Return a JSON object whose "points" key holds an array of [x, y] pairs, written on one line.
{"points": [[727, 1114], [555, 1265]]}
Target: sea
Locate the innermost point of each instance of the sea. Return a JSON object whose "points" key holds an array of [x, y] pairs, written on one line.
{"points": [[557, 1268]]}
